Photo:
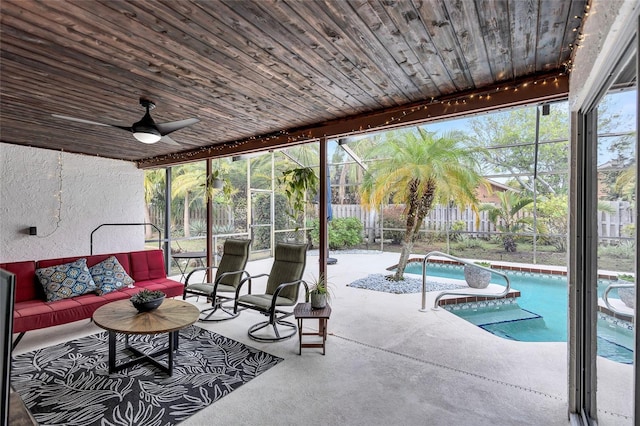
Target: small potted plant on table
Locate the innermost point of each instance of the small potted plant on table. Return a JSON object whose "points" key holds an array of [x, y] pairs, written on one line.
{"points": [[147, 300], [319, 294]]}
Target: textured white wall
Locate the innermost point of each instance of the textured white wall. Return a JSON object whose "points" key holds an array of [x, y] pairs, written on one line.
{"points": [[66, 196]]}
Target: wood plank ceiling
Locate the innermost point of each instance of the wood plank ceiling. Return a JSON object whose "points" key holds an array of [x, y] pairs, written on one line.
{"points": [[258, 70]]}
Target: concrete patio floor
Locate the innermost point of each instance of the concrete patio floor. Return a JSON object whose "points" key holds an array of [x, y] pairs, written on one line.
{"points": [[389, 364]]}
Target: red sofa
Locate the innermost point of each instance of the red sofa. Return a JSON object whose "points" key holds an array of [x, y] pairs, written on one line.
{"points": [[32, 311]]}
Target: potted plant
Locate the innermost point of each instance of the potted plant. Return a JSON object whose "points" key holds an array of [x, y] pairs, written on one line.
{"points": [[297, 183], [627, 294], [217, 182], [319, 294], [477, 277], [147, 300]]}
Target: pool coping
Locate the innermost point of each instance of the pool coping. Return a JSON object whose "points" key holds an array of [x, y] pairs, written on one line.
{"points": [[539, 269]]}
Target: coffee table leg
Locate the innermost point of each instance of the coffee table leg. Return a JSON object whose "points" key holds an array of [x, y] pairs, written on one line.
{"points": [[173, 343], [112, 351]]}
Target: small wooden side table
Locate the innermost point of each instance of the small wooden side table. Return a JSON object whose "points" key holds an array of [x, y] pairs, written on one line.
{"points": [[303, 311]]}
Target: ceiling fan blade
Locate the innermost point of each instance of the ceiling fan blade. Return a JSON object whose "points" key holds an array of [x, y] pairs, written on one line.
{"points": [[167, 139], [80, 120], [166, 128]]}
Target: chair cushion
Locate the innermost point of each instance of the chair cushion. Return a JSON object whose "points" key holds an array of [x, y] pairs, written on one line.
{"points": [[109, 275], [66, 280], [288, 266], [234, 258], [264, 300], [207, 288]]}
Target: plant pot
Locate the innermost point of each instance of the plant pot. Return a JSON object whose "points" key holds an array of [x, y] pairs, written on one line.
{"points": [[628, 296], [476, 277], [217, 183], [149, 305], [318, 300]]}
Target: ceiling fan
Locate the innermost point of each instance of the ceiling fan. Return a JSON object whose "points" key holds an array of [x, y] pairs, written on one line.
{"points": [[146, 130]]}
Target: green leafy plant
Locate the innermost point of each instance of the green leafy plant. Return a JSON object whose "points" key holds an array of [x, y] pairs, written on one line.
{"points": [[147, 295], [342, 232], [467, 242], [198, 227], [627, 277], [456, 230], [297, 184], [485, 264], [506, 217], [218, 184], [624, 250], [320, 286]]}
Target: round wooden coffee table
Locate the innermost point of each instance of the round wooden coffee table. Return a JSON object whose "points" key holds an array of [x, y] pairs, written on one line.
{"points": [[121, 317]]}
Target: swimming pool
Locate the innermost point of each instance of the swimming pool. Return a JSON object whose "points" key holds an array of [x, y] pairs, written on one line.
{"points": [[539, 314]]}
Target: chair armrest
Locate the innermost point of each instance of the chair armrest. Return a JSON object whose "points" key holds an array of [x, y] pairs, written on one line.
{"points": [[202, 268], [282, 287], [226, 274]]}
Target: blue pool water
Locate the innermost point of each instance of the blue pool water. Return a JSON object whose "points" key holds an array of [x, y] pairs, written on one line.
{"points": [[540, 314]]}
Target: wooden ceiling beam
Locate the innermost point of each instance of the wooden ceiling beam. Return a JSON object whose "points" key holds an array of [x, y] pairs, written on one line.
{"points": [[532, 90]]}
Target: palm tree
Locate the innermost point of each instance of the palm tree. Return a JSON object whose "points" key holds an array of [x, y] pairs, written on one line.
{"points": [[189, 183], [504, 216], [419, 171], [153, 187]]}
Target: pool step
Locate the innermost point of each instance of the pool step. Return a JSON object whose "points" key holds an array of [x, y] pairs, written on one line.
{"points": [[499, 314]]}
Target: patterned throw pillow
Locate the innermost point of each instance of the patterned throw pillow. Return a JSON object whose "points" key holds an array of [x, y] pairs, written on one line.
{"points": [[109, 275], [67, 280]]}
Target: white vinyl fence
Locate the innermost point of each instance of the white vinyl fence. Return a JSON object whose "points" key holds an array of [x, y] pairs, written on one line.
{"points": [[611, 226]]}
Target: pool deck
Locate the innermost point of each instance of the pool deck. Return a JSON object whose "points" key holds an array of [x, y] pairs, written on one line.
{"points": [[388, 363]]}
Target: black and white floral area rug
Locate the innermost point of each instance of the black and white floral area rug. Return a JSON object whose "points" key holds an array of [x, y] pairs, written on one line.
{"points": [[69, 383]]}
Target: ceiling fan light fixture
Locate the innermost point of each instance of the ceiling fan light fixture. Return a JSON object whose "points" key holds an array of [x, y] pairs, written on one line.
{"points": [[148, 136]]}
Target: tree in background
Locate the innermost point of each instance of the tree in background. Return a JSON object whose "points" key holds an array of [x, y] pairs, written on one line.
{"points": [[553, 215], [189, 184], [153, 193], [419, 170], [510, 136]]}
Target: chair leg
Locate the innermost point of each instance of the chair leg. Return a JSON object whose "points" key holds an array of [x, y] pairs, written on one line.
{"points": [[228, 314], [277, 332]]}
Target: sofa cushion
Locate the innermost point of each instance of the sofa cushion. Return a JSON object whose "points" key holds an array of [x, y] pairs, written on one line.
{"points": [[109, 275], [66, 280], [147, 265]]}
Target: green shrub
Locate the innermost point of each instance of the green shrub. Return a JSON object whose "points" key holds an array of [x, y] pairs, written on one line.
{"points": [[624, 250], [343, 232], [467, 242], [198, 227], [456, 230]]}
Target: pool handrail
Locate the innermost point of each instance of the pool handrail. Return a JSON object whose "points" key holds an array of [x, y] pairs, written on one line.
{"points": [[446, 292], [605, 298]]}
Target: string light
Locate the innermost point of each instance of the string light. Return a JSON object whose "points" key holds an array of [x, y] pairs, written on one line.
{"points": [[295, 136]]}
